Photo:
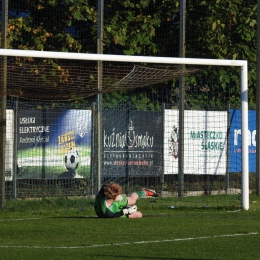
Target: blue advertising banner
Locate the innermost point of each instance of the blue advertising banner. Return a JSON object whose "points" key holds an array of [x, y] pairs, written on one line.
{"points": [[235, 141], [54, 144]]}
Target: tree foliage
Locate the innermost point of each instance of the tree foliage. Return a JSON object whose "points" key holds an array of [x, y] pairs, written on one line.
{"points": [[222, 29], [227, 30]]}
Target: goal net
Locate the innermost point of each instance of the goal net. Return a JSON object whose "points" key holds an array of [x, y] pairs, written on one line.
{"points": [[74, 122]]}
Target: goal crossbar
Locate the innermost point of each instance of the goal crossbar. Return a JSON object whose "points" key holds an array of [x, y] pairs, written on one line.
{"points": [[121, 58], [166, 60]]}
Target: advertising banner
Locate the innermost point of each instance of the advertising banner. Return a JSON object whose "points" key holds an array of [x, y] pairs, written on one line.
{"points": [[54, 144], [205, 142], [235, 158], [132, 143]]}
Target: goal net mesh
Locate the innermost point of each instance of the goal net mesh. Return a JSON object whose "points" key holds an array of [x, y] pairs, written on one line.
{"points": [[61, 80], [61, 130]]}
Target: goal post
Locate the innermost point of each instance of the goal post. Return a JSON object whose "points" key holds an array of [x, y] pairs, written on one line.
{"points": [[169, 61]]}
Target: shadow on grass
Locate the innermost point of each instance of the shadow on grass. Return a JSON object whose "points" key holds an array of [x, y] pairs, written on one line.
{"points": [[75, 217], [143, 257]]}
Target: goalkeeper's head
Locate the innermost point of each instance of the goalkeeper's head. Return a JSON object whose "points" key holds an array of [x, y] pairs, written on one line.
{"points": [[112, 190]]}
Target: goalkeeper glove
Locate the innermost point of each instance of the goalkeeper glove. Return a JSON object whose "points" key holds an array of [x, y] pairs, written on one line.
{"points": [[130, 210], [119, 198]]}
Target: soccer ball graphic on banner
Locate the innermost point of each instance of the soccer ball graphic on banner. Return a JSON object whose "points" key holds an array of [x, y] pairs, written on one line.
{"points": [[71, 160]]}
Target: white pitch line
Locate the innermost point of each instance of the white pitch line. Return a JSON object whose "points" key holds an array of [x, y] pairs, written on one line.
{"points": [[18, 219], [131, 243]]}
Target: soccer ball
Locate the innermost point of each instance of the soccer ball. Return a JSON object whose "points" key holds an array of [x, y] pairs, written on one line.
{"points": [[71, 160]]}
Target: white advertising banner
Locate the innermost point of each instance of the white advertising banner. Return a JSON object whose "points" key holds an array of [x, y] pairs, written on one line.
{"points": [[205, 142]]}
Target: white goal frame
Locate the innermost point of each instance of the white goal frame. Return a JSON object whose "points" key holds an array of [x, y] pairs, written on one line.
{"points": [[167, 60]]}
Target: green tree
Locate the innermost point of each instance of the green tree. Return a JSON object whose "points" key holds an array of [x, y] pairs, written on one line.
{"points": [[50, 25], [223, 29]]}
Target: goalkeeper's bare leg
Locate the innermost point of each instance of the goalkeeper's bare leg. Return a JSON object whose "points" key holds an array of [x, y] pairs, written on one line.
{"points": [[134, 196]]}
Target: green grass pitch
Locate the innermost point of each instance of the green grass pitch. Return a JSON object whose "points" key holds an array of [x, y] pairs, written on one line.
{"points": [[67, 228]]}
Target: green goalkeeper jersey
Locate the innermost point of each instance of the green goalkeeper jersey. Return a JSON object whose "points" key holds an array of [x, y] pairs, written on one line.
{"points": [[113, 211]]}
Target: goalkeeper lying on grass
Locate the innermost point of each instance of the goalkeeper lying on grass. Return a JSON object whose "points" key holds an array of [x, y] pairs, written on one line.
{"points": [[109, 202]]}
